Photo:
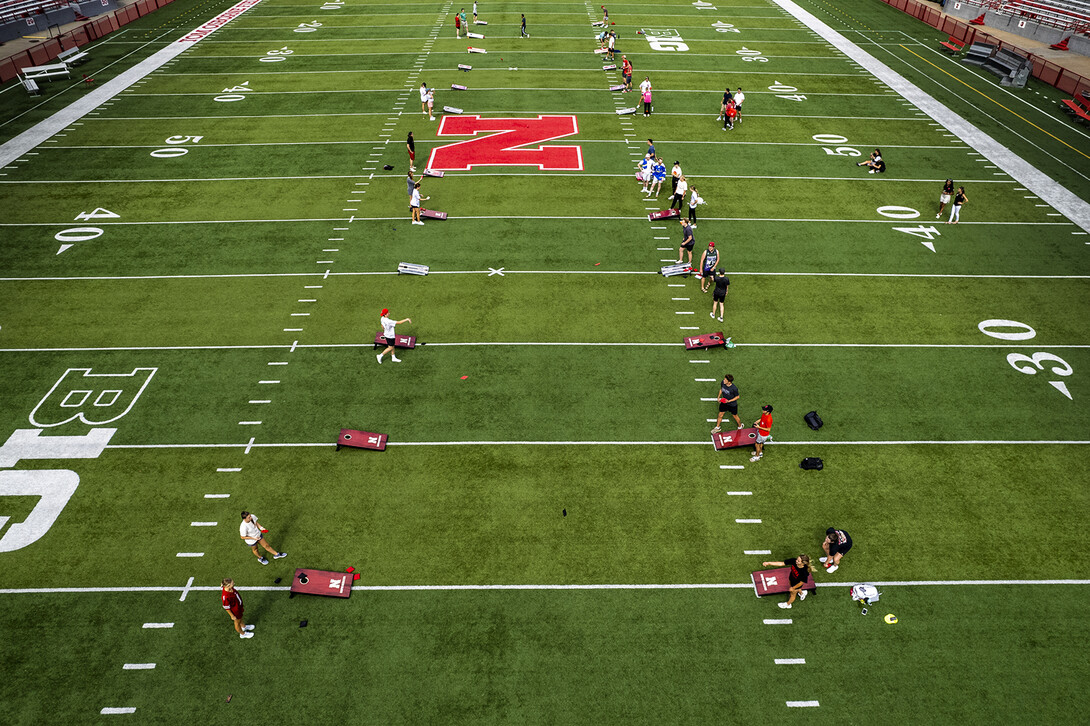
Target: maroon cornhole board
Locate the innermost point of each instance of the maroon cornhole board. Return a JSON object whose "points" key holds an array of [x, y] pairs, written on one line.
{"points": [[408, 342], [708, 340], [734, 438], [322, 582], [362, 440], [432, 214], [610, 67], [616, 88], [436, 174], [664, 214], [458, 87], [776, 582]]}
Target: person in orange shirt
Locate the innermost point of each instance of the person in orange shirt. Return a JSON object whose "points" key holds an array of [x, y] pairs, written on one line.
{"points": [[764, 432]]}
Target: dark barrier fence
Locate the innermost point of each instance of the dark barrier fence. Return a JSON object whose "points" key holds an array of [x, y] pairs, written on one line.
{"points": [[1043, 70], [100, 27]]}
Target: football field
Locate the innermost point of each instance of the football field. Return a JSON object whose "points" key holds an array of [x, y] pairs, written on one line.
{"points": [[196, 255]]}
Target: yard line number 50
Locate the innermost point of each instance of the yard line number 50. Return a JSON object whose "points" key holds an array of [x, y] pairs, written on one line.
{"points": [[1028, 364]]}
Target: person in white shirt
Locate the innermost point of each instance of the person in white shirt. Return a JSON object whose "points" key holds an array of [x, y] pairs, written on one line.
{"points": [[388, 325], [738, 98], [646, 85], [645, 171], [675, 177], [414, 204], [679, 193], [424, 98], [693, 201], [474, 12], [431, 103], [253, 536]]}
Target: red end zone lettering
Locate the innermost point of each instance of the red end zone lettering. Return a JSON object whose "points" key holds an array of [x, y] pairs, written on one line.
{"points": [[502, 148]]}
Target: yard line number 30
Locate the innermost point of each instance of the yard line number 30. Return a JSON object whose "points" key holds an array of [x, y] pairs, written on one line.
{"points": [[1028, 364]]}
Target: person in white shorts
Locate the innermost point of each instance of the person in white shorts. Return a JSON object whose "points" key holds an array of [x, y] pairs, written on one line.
{"points": [[431, 103], [388, 325], [424, 98]]}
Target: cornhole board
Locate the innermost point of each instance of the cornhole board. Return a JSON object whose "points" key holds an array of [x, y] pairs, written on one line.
{"points": [[361, 440], [451, 109], [600, 50], [471, 49], [776, 582], [664, 214], [464, 67], [322, 582], [597, 24], [610, 67], [432, 214], [734, 438], [408, 342], [436, 174], [708, 340], [456, 87], [475, 35], [480, 22], [617, 88]]}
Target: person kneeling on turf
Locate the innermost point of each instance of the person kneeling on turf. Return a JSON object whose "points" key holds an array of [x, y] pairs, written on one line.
{"points": [[798, 577], [836, 545]]}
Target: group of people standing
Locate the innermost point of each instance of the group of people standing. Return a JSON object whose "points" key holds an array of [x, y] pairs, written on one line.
{"points": [[730, 111]]}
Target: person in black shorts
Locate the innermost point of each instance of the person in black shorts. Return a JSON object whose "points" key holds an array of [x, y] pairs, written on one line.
{"points": [[836, 545], [719, 294], [798, 577], [728, 402], [687, 241]]}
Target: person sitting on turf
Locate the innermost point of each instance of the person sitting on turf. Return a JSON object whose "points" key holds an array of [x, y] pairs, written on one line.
{"points": [[797, 578], [874, 162]]}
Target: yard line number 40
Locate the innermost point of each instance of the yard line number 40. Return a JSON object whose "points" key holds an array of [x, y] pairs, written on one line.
{"points": [[69, 237], [1028, 364]]}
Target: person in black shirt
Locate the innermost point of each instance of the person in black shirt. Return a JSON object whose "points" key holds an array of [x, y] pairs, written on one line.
{"points": [[687, 241], [410, 144], [836, 545], [727, 96], [728, 401], [797, 577], [719, 294], [875, 162], [945, 196]]}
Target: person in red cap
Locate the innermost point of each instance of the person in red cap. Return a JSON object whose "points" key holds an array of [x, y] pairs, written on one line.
{"points": [[388, 325], [709, 258]]}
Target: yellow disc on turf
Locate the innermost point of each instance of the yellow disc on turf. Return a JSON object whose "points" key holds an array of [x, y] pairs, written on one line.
{"points": [[891, 618]]}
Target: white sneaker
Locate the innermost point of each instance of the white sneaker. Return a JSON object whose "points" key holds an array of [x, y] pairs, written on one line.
{"points": [[871, 171], [431, 118], [938, 215], [716, 430], [379, 356], [710, 315], [395, 360], [693, 226], [833, 569], [741, 426], [279, 556], [720, 318], [263, 561], [247, 628], [245, 635], [420, 223], [785, 605], [412, 168], [755, 458], [803, 594], [823, 559]]}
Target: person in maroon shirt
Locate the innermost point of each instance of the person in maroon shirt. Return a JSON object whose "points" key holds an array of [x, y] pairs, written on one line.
{"points": [[798, 577], [232, 603]]}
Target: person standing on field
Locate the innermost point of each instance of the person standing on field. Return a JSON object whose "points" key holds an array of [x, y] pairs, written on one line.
{"points": [[232, 603], [764, 432], [728, 402], [709, 258], [739, 97], [626, 73], [389, 332], [474, 12], [253, 535], [694, 200], [524, 33], [719, 294], [414, 206], [675, 177], [687, 242], [679, 193], [836, 545], [955, 211], [801, 569], [458, 26], [424, 99], [410, 144], [945, 195]]}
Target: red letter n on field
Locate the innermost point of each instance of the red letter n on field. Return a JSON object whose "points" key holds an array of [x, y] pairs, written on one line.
{"points": [[502, 147]]}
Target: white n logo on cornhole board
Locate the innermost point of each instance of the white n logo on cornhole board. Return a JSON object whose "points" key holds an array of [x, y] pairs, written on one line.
{"points": [[502, 146]]}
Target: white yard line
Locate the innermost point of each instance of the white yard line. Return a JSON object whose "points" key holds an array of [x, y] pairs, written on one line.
{"points": [[586, 586]]}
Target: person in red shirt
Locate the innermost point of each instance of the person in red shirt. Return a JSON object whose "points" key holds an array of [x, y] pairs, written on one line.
{"points": [[232, 603], [626, 73], [764, 432]]}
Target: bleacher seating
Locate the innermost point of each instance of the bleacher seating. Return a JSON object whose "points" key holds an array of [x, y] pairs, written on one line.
{"points": [[953, 46], [1012, 69], [1079, 107], [978, 53], [1071, 15], [12, 9]]}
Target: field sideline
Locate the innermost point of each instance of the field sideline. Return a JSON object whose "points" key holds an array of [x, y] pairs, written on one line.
{"points": [[196, 252]]}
